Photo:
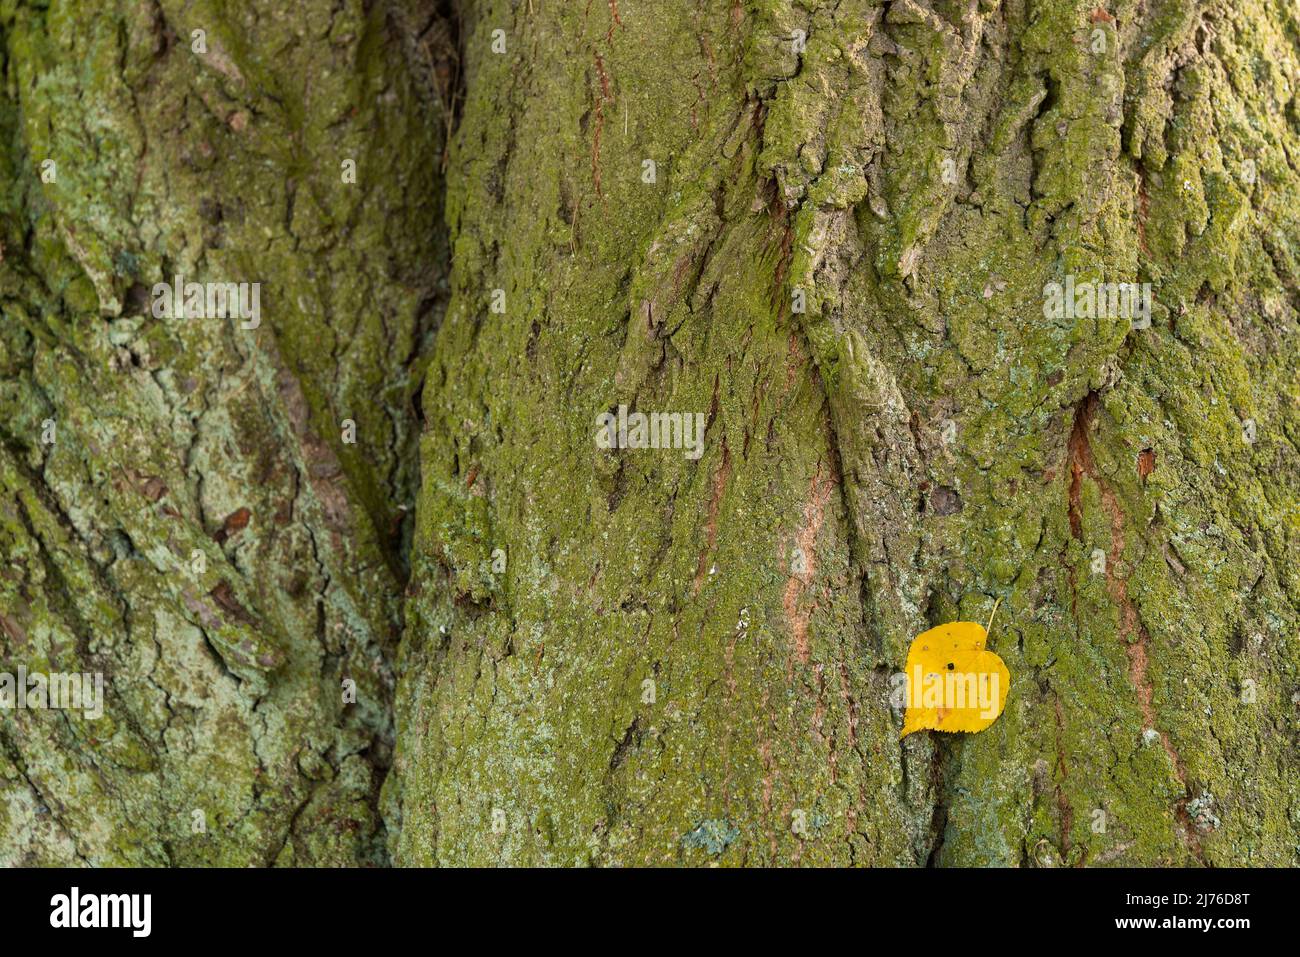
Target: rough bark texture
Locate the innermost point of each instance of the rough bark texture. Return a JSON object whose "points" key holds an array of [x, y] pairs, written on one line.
{"points": [[772, 587], [180, 439], [634, 657]]}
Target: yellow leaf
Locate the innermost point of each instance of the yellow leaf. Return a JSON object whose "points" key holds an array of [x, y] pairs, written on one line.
{"points": [[953, 683]]}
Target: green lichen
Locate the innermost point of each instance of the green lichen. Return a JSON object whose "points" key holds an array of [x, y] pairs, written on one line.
{"points": [[916, 433]]}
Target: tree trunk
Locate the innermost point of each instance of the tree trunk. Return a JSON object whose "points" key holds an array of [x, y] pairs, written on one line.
{"points": [[179, 510], [831, 230], [917, 442]]}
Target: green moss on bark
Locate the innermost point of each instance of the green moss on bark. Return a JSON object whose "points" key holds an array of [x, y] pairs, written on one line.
{"points": [[922, 435], [198, 531]]}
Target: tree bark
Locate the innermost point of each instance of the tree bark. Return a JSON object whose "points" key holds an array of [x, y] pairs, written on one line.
{"points": [[826, 227], [919, 441], [197, 530]]}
